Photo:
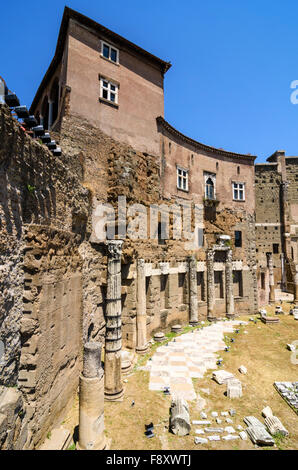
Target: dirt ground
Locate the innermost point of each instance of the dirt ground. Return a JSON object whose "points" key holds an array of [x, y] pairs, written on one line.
{"points": [[262, 350]]}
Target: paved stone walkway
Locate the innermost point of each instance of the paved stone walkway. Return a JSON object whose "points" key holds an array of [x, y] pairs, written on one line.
{"points": [[188, 356]]}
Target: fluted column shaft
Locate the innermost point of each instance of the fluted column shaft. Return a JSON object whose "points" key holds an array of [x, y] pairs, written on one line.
{"points": [[113, 338], [229, 285], [193, 291], [142, 344]]}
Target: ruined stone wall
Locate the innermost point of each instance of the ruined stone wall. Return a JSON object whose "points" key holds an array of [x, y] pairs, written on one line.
{"points": [[44, 218], [111, 170], [269, 221]]}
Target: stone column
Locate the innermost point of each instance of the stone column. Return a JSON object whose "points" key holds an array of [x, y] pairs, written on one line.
{"points": [[283, 273], [142, 344], [271, 278], [210, 285], [193, 291], [229, 286], [113, 343], [296, 285], [91, 401]]}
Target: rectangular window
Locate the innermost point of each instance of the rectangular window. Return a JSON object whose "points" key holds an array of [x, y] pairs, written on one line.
{"points": [[108, 90], [182, 179], [109, 52], [238, 192], [218, 285], [237, 284], [238, 238], [275, 248], [263, 281]]}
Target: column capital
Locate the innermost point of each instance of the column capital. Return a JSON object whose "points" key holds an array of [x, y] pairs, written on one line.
{"points": [[114, 248]]}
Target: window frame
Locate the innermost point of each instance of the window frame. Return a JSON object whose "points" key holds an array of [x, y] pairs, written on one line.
{"points": [[183, 178], [211, 176], [108, 89], [110, 46], [237, 183], [238, 240]]}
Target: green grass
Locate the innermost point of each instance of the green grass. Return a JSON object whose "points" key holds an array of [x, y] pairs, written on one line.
{"points": [[72, 447]]}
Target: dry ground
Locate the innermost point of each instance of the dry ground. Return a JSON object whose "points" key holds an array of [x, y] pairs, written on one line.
{"points": [[262, 350]]}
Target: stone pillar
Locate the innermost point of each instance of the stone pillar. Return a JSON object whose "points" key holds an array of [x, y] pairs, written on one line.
{"points": [[193, 291], [271, 278], [142, 344], [229, 286], [296, 285], [210, 285], [51, 107], [283, 273], [91, 401], [113, 343]]}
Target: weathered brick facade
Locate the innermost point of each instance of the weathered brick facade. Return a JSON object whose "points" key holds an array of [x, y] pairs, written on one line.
{"points": [[277, 222], [56, 273]]}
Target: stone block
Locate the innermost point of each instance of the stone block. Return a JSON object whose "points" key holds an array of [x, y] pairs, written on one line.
{"points": [[201, 440], [267, 412], [230, 437], [234, 388], [222, 376]]}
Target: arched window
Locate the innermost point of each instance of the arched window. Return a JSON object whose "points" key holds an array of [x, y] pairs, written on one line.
{"points": [[209, 188]]}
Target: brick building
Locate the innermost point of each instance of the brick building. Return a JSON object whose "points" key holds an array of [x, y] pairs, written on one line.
{"points": [[102, 99], [118, 88], [276, 193]]}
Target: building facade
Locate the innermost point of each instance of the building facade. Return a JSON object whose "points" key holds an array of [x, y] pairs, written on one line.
{"points": [[276, 193], [102, 99]]}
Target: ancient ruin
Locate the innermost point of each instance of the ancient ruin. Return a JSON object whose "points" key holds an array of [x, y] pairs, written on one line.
{"points": [[192, 234]]}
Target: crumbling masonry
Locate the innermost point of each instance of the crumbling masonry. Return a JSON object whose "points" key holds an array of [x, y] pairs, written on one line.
{"points": [[63, 287]]}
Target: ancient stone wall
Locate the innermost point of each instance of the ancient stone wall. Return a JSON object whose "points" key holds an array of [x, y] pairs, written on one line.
{"points": [[44, 214]]}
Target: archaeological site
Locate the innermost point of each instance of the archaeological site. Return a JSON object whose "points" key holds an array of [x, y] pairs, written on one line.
{"points": [[146, 278]]}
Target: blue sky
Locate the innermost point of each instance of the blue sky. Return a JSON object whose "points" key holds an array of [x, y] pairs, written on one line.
{"points": [[233, 61]]}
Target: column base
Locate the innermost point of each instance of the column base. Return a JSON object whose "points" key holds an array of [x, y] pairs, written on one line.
{"points": [[105, 445], [212, 319], [142, 350], [115, 396], [194, 322], [230, 316]]}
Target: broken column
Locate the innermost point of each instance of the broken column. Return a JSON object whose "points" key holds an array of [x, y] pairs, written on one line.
{"points": [[193, 291], [210, 285], [142, 344], [91, 404], [271, 278], [113, 343], [229, 286], [179, 417]]}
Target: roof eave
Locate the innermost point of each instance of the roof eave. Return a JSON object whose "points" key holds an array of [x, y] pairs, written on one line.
{"points": [[207, 148]]}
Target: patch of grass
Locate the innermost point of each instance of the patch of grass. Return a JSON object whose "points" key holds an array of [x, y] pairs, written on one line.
{"points": [[72, 447], [49, 435], [279, 440], [267, 360]]}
